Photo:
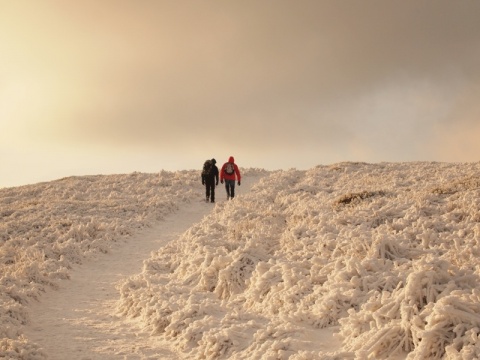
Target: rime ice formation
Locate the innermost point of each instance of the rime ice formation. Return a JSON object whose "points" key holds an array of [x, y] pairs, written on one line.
{"points": [[47, 227], [386, 256], [387, 253]]}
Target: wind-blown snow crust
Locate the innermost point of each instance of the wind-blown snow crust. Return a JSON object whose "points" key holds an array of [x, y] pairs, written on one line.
{"points": [[46, 228], [384, 255]]}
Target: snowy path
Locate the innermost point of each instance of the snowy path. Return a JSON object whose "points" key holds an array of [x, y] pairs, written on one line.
{"points": [[80, 321]]}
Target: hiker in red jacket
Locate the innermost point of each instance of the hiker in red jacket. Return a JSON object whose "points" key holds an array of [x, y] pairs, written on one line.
{"points": [[229, 174]]}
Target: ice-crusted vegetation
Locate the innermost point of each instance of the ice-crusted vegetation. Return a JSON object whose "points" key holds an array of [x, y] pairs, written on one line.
{"points": [[46, 228], [386, 254]]}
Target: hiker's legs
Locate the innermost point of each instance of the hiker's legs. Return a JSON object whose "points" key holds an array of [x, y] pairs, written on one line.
{"points": [[227, 187], [210, 185], [207, 190], [212, 192], [230, 186]]}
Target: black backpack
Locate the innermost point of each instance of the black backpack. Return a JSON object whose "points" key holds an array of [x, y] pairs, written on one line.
{"points": [[207, 168]]}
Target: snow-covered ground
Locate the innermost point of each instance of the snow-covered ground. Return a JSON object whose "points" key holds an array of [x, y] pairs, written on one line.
{"points": [[350, 260]]}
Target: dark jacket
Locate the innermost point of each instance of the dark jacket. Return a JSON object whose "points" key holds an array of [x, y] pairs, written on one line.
{"points": [[213, 176]]}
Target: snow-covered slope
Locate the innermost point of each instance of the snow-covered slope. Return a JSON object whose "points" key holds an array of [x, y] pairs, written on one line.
{"points": [[387, 254], [46, 228]]}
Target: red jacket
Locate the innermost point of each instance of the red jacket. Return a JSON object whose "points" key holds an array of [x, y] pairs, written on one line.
{"points": [[224, 175]]}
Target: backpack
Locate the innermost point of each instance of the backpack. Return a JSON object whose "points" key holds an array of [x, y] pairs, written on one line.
{"points": [[229, 168], [207, 168]]}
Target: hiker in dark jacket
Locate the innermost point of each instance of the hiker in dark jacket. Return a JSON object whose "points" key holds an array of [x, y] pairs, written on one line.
{"points": [[210, 179], [228, 174]]}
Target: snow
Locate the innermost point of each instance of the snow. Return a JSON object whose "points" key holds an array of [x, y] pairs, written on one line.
{"points": [[350, 260]]}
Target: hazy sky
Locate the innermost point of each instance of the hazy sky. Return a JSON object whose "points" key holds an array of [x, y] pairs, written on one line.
{"points": [[115, 86]]}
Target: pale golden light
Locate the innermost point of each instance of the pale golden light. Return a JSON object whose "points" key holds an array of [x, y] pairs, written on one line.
{"points": [[181, 80]]}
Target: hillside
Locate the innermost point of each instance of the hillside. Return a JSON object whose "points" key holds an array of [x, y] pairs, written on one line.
{"points": [[350, 260]]}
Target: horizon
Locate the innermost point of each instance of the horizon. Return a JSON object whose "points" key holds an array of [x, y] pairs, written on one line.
{"points": [[413, 162]]}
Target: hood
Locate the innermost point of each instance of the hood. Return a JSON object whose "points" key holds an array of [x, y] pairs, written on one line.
{"points": [[231, 159]]}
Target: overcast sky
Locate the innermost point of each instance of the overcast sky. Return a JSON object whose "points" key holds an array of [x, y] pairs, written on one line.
{"points": [[115, 86]]}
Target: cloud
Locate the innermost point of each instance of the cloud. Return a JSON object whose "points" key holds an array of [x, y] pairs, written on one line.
{"points": [[456, 138], [310, 80]]}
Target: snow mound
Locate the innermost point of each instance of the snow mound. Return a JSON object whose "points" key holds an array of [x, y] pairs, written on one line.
{"points": [[386, 255]]}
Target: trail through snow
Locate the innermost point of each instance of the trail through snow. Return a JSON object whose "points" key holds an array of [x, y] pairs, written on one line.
{"points": [[80, 320], [341, 261]]}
